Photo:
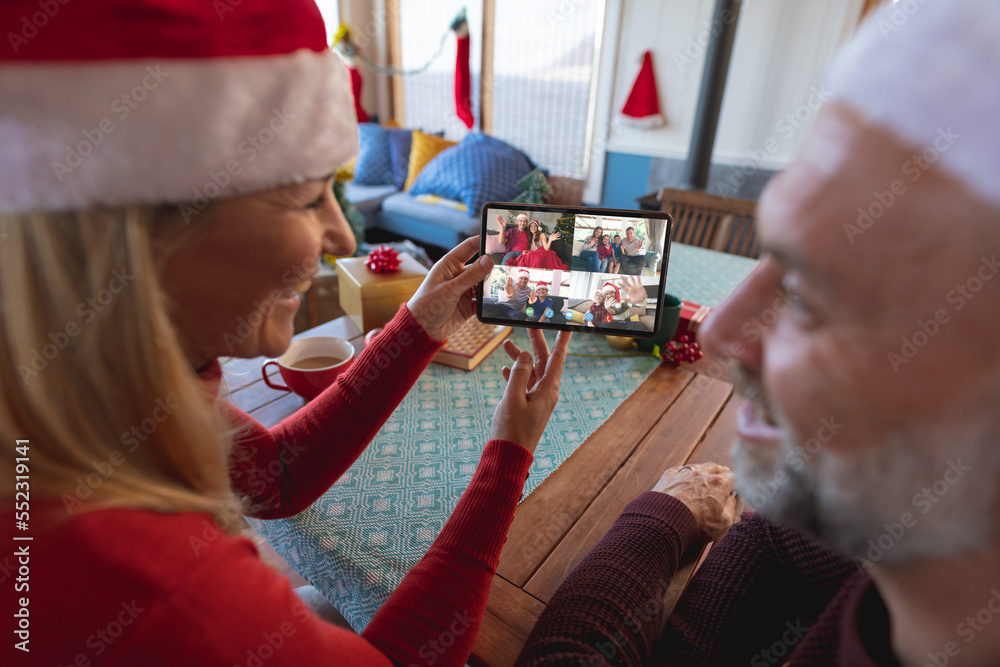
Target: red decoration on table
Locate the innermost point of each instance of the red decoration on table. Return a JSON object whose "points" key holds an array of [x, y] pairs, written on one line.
{"points": [[685, 349], [692, 315], [383, 260]]}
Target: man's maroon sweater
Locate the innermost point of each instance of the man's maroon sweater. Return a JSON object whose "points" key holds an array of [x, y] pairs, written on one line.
{"points": [[765, 595]]}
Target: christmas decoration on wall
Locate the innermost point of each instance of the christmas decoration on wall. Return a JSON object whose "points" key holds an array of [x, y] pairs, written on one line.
{"points": [[463, 77], [345, 46], [642, 108], [383, 260]]}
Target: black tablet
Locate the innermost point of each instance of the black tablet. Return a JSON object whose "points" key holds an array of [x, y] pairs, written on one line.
{"points": [[575, 268]]}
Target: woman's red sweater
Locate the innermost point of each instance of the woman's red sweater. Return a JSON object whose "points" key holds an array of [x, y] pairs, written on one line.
{"points": [[136, 587]]}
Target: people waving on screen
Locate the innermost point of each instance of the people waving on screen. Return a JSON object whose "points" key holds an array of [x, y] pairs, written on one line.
{"points": [[539, 256]]}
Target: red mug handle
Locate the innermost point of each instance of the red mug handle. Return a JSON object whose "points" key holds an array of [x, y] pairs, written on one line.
{"points": [[267, 380]]}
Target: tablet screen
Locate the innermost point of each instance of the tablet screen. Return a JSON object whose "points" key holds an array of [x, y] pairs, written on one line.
{"points": [[584, 269]]}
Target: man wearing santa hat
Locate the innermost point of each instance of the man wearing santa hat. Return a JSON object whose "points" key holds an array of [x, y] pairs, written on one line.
{"points": [[868, 439], [512, 299]]}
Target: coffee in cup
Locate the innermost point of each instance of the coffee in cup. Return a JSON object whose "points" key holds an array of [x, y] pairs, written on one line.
{"points": [[310, 365]]}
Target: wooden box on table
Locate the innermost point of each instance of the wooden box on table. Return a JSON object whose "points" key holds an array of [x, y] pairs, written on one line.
{"points": [[372, 299]]}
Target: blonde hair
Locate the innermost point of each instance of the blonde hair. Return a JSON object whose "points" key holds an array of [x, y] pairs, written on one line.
{"points": [[93, 374]]}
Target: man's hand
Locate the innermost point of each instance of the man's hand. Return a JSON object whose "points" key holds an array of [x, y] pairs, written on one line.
{"points": [[532, 390], [532, 297], [500, 222], [707, 490], [634, 291], [444, 301]]}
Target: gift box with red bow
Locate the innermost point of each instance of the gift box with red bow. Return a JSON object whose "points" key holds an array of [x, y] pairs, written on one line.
{"points": [[692, 315]]}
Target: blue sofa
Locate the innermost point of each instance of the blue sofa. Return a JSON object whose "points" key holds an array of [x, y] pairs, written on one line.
{"points": [[479, 168]]}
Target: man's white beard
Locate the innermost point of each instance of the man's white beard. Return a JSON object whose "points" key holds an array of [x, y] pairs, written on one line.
{"points": [[855, 502]]}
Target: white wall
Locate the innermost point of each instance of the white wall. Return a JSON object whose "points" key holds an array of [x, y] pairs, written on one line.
{"points": [[782, 48]]}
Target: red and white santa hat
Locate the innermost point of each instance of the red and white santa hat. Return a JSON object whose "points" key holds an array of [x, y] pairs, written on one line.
{"points": [[542, 283], [120, 102], [927, 72], [523, 274], [607, 286]]}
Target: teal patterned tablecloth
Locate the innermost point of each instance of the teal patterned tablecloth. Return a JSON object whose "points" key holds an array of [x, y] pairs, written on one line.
{"points": [[357, 542]]}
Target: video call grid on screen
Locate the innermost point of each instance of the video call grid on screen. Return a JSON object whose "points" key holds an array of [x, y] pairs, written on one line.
{"points": [[567, 283]]}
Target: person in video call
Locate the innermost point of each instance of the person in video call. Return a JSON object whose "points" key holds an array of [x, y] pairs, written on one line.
{"points": [[540, 301], [868, 440], [606, 253], [590, 247], [516, 240], [143, 528], [512, 299], [539, 255], [635, 296], [616, 245], [634, 259], [599, 314]]}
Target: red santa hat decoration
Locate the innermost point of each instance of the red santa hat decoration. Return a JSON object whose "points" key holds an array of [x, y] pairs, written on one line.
{"points": [[642, 108], [607, 286], [119, 102]]}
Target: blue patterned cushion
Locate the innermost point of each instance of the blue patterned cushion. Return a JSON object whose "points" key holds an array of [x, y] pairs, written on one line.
{"points": [[479, 169], [374, 166], [399, 153]]}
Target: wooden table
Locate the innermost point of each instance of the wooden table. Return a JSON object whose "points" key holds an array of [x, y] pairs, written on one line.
{"points": [[676, 416]]}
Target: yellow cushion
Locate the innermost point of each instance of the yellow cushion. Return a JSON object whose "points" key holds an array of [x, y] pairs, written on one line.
{"points": [[450, 203], [423, 150]]}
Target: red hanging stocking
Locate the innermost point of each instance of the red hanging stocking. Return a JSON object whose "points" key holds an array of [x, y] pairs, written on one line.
{"points": [[356, 88], [463, 79]]}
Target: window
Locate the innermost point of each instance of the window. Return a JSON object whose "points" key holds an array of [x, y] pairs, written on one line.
{"points": [[543, 67], [542, 98], [430, 96], [330, 9]]}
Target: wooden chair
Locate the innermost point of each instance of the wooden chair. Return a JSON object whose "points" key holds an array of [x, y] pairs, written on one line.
{"points": [[714, 222]]}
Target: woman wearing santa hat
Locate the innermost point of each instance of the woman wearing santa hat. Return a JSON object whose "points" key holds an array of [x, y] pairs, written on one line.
{"points": [[166, 194], [539, 254]]}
